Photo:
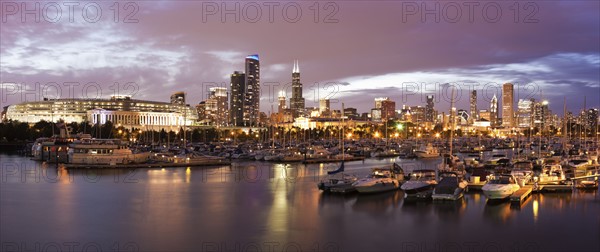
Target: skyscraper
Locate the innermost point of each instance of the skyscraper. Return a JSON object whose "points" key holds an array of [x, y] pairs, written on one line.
{"points": [[474, 111], [236, 113], [387, 106], [296, 101], [541, 114], [494, 111], [525, 113], [429, 110], [282, 106], [252, 91], [507, 105], [216, 108], [591, 120], [324, 107]]}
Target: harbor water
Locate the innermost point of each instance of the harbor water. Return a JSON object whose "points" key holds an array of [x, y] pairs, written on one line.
{"points": [[262, 206]]}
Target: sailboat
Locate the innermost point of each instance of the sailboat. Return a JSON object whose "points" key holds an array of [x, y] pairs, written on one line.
{"points": [[337, 181]]}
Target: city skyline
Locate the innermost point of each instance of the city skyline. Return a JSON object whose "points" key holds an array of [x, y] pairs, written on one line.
{"points": [[161, 51]]}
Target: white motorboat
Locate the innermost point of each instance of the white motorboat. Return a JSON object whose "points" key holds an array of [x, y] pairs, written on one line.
{"points": [[420, 184], [451, 187], [500, 187], [380, 180], [427, 151]]}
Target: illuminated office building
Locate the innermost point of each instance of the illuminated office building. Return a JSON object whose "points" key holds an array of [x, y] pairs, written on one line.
{"points": [[121, 110]]}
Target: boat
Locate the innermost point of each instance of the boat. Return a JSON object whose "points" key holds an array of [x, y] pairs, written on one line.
{"points": [[420, 184], [292, 156], [500, 187], [103, 152], [380, 180], [549, 174], [342, 183], [427, 151], [337, 181], [50, 149], [273, 156], [451, 187], [587, 179], [522, 171]]}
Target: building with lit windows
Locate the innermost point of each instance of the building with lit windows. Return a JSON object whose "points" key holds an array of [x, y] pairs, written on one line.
{"points": [[236, 99], [121, 110], [297, 102], [216, 107], [387, 107], [507, 105], [525, 113], [473, 106], [494, 121], [251, 116]]}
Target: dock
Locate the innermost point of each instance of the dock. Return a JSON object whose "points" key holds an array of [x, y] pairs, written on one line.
{"points": [[521, 194], [554, 188], [475, 186], [331, 160], [150, 165]]}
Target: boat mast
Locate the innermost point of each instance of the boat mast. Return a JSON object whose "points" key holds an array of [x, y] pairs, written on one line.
{"points": [[584, 121], [543, 126], [343, 132], [451, 120], [565, 123]]}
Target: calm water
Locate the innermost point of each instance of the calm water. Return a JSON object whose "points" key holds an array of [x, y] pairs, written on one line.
{"points": [[258, 206]]}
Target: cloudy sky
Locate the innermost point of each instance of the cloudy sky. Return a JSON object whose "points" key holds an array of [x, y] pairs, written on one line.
{"points": [[349, 51]]}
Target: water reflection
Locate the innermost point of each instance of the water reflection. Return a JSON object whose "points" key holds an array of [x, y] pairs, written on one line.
{"points": [[498, 211], [180, 208], [448, 210], [378, 205]]}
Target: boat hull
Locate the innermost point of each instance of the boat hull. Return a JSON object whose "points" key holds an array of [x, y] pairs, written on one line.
{"points": [[418, 191], [458, 193], [426, 155], [499, 192], [376, 187]]}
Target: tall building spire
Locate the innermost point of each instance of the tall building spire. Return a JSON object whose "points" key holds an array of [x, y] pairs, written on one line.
{"points": [[296, 68]]}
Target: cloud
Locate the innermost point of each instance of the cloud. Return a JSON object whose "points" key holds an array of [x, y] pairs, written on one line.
{"points": [[371, 48]]}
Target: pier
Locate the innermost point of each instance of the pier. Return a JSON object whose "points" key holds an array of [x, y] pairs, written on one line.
{"points": [[331, 160], [150, 165], [521, 194]]}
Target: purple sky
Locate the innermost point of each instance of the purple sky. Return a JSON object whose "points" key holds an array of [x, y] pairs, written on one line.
{"points": [[373, 50]]}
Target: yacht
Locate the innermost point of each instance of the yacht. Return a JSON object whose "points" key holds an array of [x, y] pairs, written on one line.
{"points": [[451, 187], [500, 187], [380, 180], [420, 184], [549, 174], [103, 152], [427, 151], [50, 149], [522, 171]]}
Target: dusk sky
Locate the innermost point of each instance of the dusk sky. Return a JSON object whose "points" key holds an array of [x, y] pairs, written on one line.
{"points": [[365, 50]]}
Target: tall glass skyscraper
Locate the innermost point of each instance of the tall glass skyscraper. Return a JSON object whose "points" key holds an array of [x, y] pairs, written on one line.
{"points": [[236, 113], [251, 105]]}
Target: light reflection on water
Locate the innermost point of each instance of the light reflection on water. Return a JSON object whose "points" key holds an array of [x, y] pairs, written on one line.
{"points": [[258, 204]]}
